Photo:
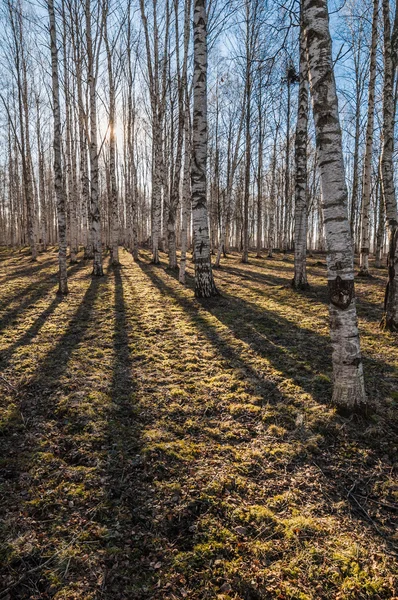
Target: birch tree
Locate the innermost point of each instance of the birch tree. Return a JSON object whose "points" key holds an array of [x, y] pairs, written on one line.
{"points": [[114, 208], [204, 282], [348, 379], [58, 175], [92, 70], [390, 318], [157, 63], [301, 192], [367, 168], [21, 74]]}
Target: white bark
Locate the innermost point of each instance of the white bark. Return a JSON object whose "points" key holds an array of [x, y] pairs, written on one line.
{"points": [[186, 194], [301, 191], [58, 177], [114, 244], [348, 380], [204, 283], [390, 318], [272, 199], [367, 168], [94, 169]]}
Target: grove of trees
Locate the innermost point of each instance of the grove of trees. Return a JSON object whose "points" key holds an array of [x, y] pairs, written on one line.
{"points": [[204, 127]]}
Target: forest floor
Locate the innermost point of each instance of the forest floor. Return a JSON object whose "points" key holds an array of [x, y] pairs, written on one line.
{"points": [[153, 446]]}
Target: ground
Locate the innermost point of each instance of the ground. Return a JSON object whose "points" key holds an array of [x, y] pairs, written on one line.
{"points": [[153, 446]]}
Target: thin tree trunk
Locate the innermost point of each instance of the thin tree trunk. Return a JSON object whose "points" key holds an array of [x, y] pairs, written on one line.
{"points": [[301, 191], [186, 194], [272, 202], [204, 282], [94, 169], [287, 171], [380, 226], [58, 176], [42, 189], [114, 225], [390, 318], [367, 168]]}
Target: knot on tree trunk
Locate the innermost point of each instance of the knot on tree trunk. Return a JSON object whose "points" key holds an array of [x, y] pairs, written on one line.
{"points": [[341, 292]]}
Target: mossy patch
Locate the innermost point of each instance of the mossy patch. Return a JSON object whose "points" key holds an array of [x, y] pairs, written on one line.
{"points": [[156, 446]]}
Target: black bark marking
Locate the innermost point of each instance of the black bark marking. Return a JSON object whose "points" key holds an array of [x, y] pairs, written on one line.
{"points": [[341, 292]]}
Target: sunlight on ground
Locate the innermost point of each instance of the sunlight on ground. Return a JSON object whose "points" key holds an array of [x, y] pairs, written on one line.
{"points": [[154, 446]]}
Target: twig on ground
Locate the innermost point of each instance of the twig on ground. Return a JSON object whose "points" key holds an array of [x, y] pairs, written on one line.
{"points": [[12, 586], [8, 383]]}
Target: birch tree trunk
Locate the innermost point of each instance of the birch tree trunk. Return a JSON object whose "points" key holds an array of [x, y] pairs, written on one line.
{"points": [[248, 90], [42, 189], [29, 187], [94, 169], [58, 176], [348, 380], [132, 192], [259, 180], [112, 154], [233, 156], [287, 170], [157, 90], [204, 282], [301, 191], [367, 168], [272, 203], [390, 318], [83, 135], [68, 146], [380, 225], [186, 194], [182, 116], [23, 114]]}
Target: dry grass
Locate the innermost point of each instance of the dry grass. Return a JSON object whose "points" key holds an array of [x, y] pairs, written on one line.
{"points": [[157, 447]]}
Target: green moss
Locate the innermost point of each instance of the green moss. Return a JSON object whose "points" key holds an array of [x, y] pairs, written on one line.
{"points": [[302, 526], [254, 513], [151, 428]]}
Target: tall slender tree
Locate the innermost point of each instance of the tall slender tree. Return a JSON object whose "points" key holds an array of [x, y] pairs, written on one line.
{"points": [[390, 318], [58, 175], [348, 379], [301, 187], [367, 166], [204, 282]]}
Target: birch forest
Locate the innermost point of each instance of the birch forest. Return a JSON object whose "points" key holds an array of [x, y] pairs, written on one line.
{"points": [[198, 299]]}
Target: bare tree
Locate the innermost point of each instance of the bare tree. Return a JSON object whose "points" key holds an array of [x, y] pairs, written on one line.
{"points": [[348, 380], [301, 189], [204, 283], [58, 175]]}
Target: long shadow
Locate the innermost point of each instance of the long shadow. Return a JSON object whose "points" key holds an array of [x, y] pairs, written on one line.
{"points": [[288, 347], [283, 344], [33, 293], [209, 330], [11, 296], [40, 431], [316, 293], [32, 269], [29, 334], [126, 470]]}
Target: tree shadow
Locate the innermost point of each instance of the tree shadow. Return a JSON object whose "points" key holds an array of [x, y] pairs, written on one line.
{"points": [[32, 293], [132, 523], [126, 469], [369, 311], [29, 270], [37, 440], [289, 349], [299, 353], [29, 334]]}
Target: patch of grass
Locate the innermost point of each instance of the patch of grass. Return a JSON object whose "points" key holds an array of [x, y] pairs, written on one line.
{"points": [[156, 446]]}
